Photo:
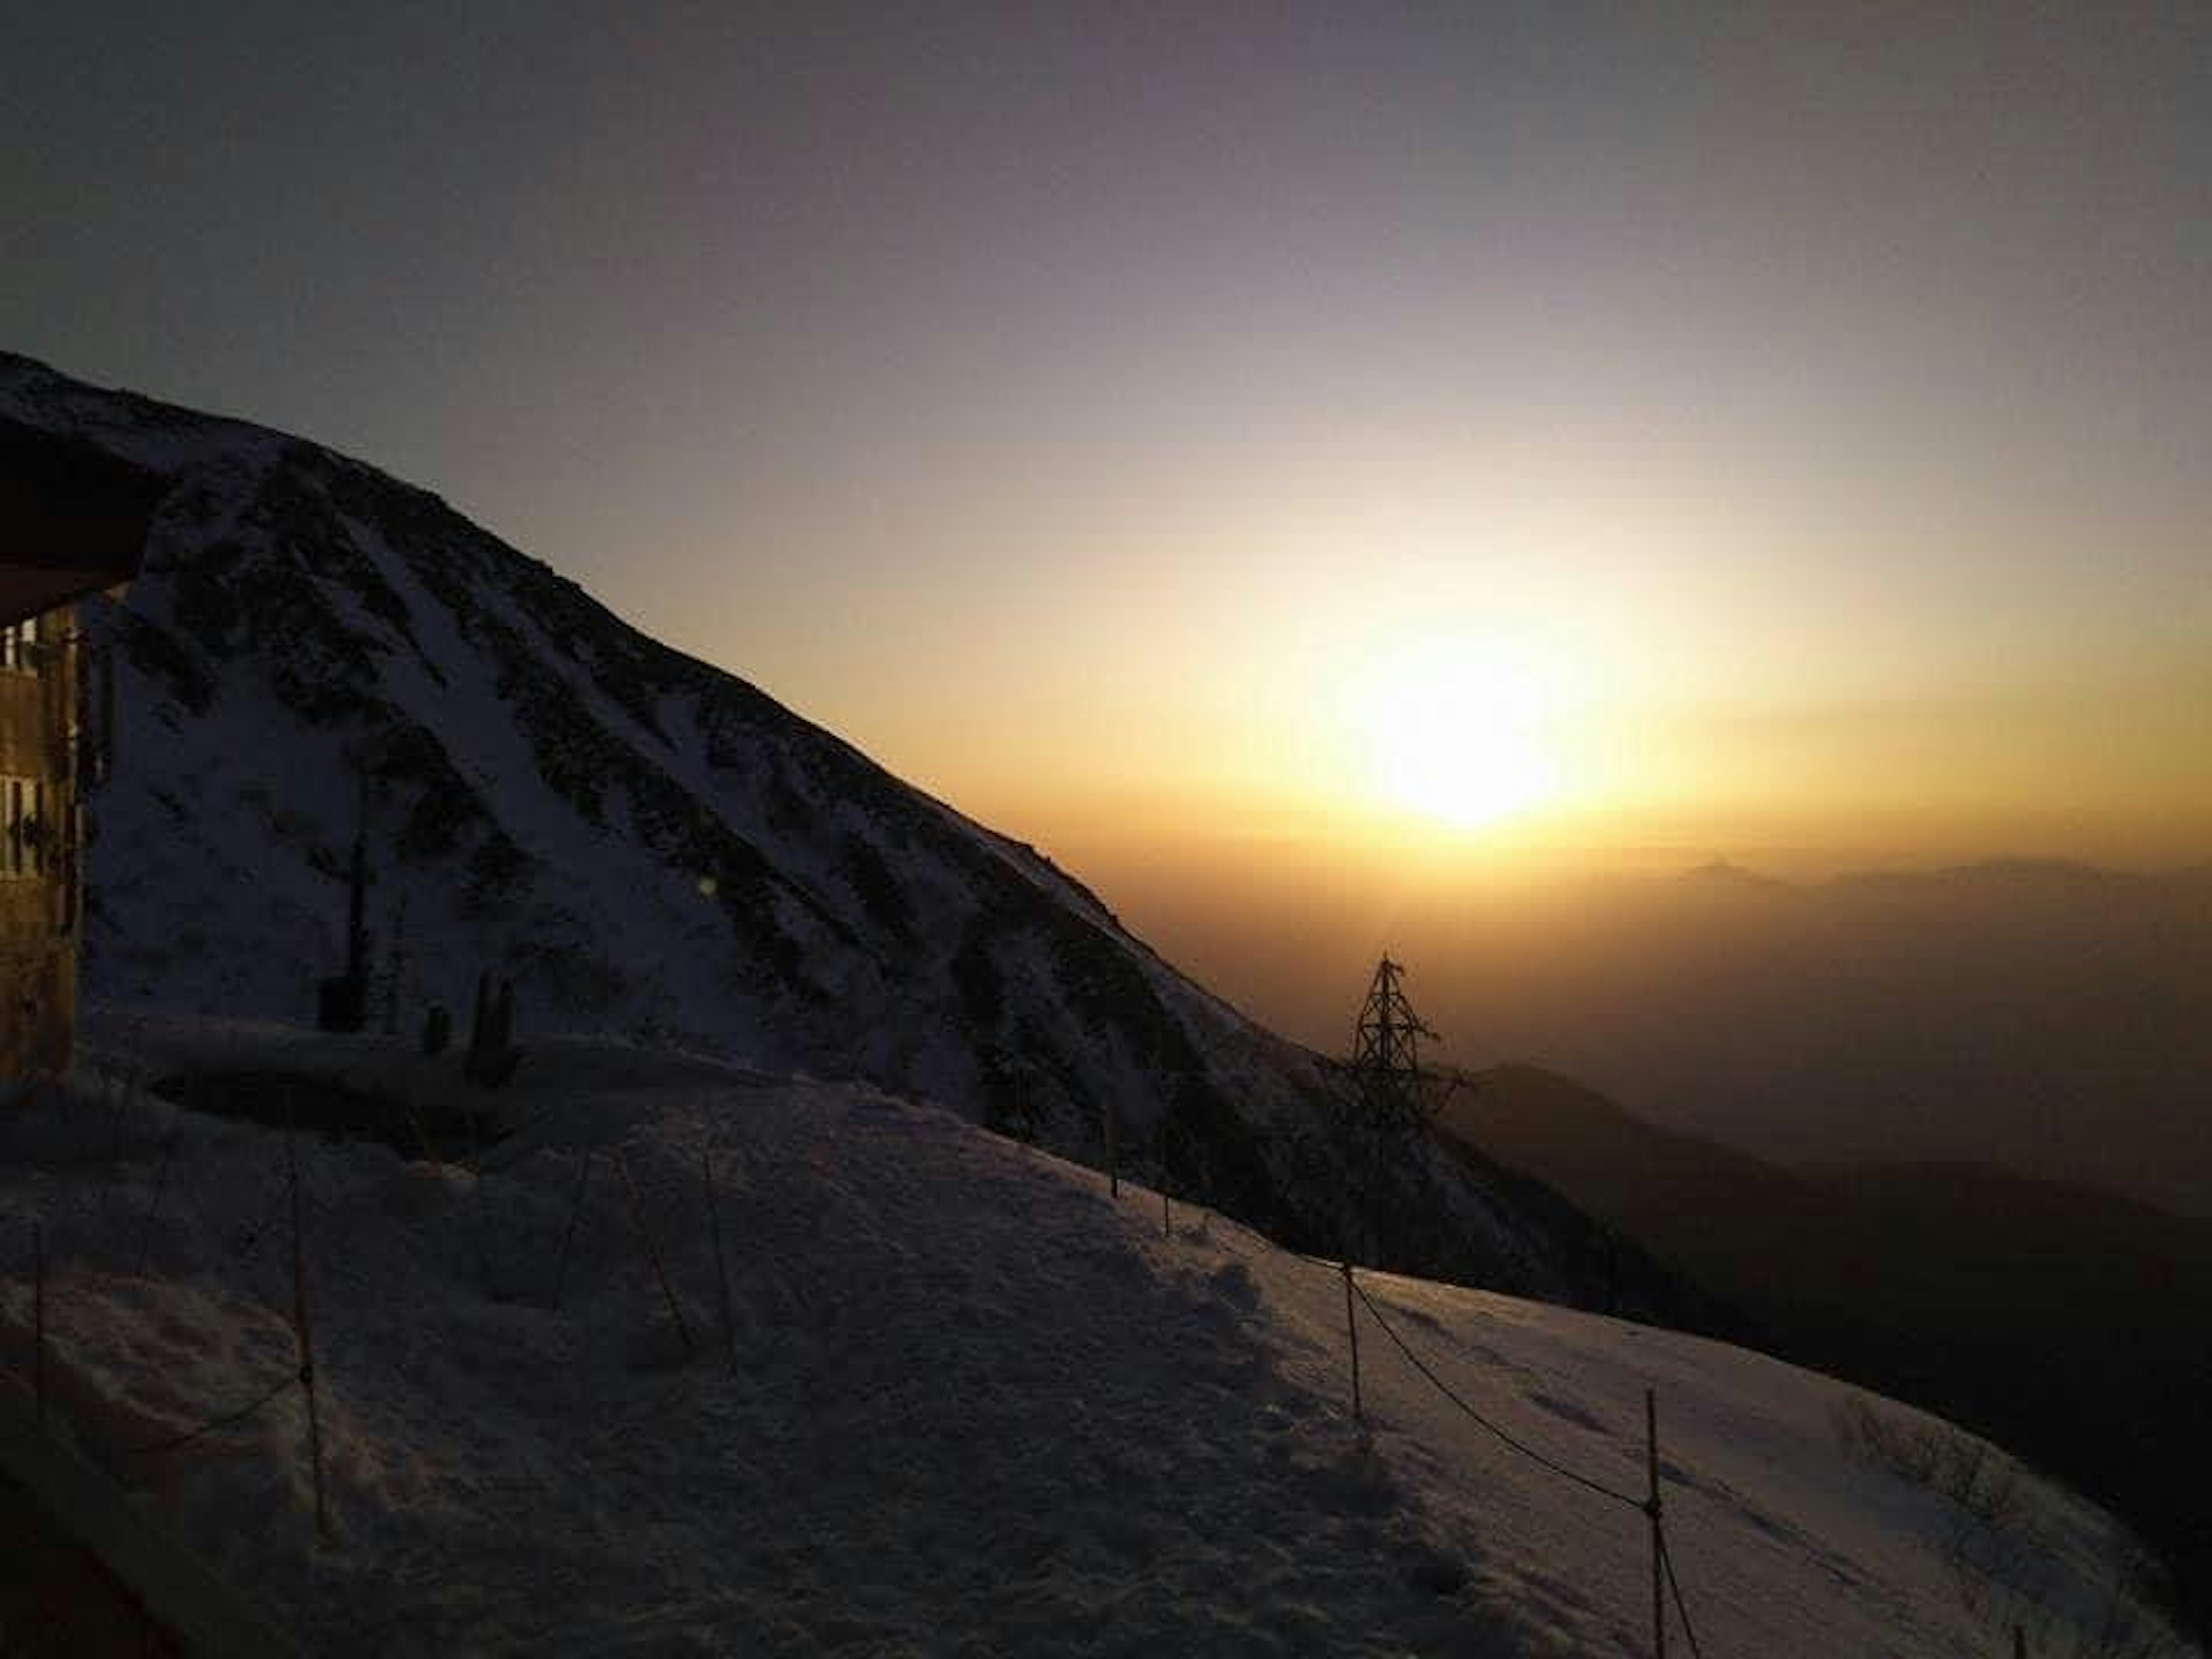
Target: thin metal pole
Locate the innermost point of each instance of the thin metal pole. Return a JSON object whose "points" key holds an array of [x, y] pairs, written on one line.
{"points": [[160, 1186], [484, 1203], [1352, 1328], [421, 1135], [303, 1327], [652, 1252], [1164, 1231], [1651, 1508], [39, 1317], [568, 1233], [721, 1268], [117, 1102]]}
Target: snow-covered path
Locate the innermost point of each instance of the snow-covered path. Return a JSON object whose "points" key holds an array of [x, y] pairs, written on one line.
{"points": [[977, 1407]]}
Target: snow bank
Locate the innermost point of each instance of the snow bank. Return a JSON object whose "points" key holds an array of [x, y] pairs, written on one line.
{"points": [[970, 1403]]}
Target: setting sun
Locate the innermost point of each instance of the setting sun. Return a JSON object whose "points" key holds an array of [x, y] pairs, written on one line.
{"points": [[1458, 734]]}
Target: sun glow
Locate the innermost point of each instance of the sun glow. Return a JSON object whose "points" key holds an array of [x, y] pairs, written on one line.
{"points": [[1458, 734]]}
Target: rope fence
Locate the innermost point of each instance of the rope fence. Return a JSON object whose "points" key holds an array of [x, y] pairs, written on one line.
{"points": [[1666, 1559], [1453, 1395], [1664, 1580], [213, 1426], [243, 1251]]}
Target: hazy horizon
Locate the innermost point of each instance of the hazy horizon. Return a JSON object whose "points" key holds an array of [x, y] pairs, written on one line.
{"points": [[2052, 1019]]}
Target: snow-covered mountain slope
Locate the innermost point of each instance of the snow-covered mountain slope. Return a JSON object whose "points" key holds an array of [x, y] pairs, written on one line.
{"points": [[647, 845], [971, 1405]]}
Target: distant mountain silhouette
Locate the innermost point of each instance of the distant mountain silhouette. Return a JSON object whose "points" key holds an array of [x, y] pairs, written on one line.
{"points": [[2049, 1018], [1723, 875]]}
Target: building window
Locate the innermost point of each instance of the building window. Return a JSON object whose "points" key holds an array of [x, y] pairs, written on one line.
{"points": [[20, 646], [24, 831]]}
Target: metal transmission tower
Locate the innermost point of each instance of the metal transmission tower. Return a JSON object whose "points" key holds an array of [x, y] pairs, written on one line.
{"points": [[1385, 1053], [1382, 1119]]}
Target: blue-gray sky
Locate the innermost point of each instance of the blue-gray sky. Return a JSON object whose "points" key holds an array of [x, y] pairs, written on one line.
{"points": [[1085, 407]]}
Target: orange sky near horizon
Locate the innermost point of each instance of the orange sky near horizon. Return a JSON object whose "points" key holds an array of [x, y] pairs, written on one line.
{"points": [[1519, 712]]}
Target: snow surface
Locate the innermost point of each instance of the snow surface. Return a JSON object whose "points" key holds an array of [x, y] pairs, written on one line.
{"points": [[976, 1405]]}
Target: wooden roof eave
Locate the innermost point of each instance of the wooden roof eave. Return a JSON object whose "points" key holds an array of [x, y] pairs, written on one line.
{"points": [[30, 590], [73, 520]]}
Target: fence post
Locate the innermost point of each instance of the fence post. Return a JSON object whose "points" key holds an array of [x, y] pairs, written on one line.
{"points": [[484, 1203], [721, 1268], [1166, 1231], [160, 1186], [1658, 1542], [113, 1098], [652, 1253], [304, 1330], [421, 1135], [39, 1318], [131, 1079], [568, 1233], [2020, 1642], [1112, 1162], [1352, 1328]]}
